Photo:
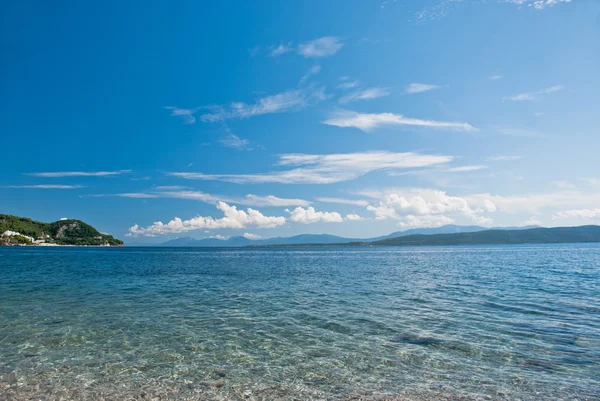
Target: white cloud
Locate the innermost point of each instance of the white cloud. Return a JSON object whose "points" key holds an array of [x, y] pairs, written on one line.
{"points": [[538, 4], [536, 203], [528, 96], [353, 217], [281, 49], [186, 114], [563, 184], [424, 221], [370, 121], [463, 169], [426, 207], [327, 169], [366, 94], [310, 215], [322, 47], [251, 236], [348, 85], [503, 158], [232, 218], [137, 195], [250, 200], [235, 142], [44, 186], [80, 174], [591, 181], [281, 102], [63, 219], [271, 200], [584, 214], [495, 77], [313, 71], [419, 88], [357, 202], [169, 187]]}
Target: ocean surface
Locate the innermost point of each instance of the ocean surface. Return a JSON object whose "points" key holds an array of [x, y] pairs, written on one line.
{"points": [[322, 323]]}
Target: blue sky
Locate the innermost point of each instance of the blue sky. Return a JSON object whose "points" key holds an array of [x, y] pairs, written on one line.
{"points": [[355, 118]]}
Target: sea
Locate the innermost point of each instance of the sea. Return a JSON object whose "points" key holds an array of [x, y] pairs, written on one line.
{"points": [[301, 323]]}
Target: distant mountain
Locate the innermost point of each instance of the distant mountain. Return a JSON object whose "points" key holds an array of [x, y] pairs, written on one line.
{"points": [[304, 239], [489, 237], [63, 232], [447, 229]]}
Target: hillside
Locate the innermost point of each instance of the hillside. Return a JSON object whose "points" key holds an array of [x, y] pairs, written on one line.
{"points": [[63, 232], [304, 239], [490, 237]]}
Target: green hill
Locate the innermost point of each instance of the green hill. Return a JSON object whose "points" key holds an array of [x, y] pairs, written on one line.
{"points": [[490, 237], [63, 232]]}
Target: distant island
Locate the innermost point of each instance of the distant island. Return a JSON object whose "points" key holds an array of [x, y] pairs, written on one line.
{"points": [[19, 231], [445, 235]]}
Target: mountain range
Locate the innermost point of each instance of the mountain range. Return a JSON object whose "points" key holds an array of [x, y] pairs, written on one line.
{"points": [[304, 239]]}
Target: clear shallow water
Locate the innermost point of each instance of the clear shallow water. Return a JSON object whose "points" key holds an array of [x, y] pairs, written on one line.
{"points": [[502, 322]]}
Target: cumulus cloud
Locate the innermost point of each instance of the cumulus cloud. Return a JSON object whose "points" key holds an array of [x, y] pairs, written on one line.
{"points": [[310, 215], [327, 169], [366, 94], [419, 88], [427, 208], [527, 96], [321, 47], [232, 218], [251, 236], [370, 121], [353, 217]]}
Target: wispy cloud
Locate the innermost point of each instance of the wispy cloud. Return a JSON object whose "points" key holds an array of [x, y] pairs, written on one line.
{"points": [[463, 169], [281, 49], [281, 102], [43, 186], [537, 4], [314, 70], [187, 115], [348, 85], [503, 158], [235, 142], [495, 77], [366, 94], [370, 121], [250, 199], [584, 214], [322, 47], [443, 7], [132, 195], [326, 169], [343, 201], [528, 96], [419, 88], [79, 173]]}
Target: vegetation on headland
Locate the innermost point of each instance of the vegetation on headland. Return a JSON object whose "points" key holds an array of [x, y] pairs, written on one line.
{"points": [[499, 237], [63, 232]]}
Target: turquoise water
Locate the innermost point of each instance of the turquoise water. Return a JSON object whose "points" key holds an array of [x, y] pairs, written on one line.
{"points": [[501, 322]]}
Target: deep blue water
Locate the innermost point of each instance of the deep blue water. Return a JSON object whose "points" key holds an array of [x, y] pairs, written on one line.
{"points": [[484, 322]]}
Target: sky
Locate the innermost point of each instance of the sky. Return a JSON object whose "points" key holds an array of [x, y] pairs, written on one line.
{"points": [[356, 118]]}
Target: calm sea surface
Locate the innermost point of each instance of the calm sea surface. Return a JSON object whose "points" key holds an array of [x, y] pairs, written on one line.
{"points": [[484, 322]]}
